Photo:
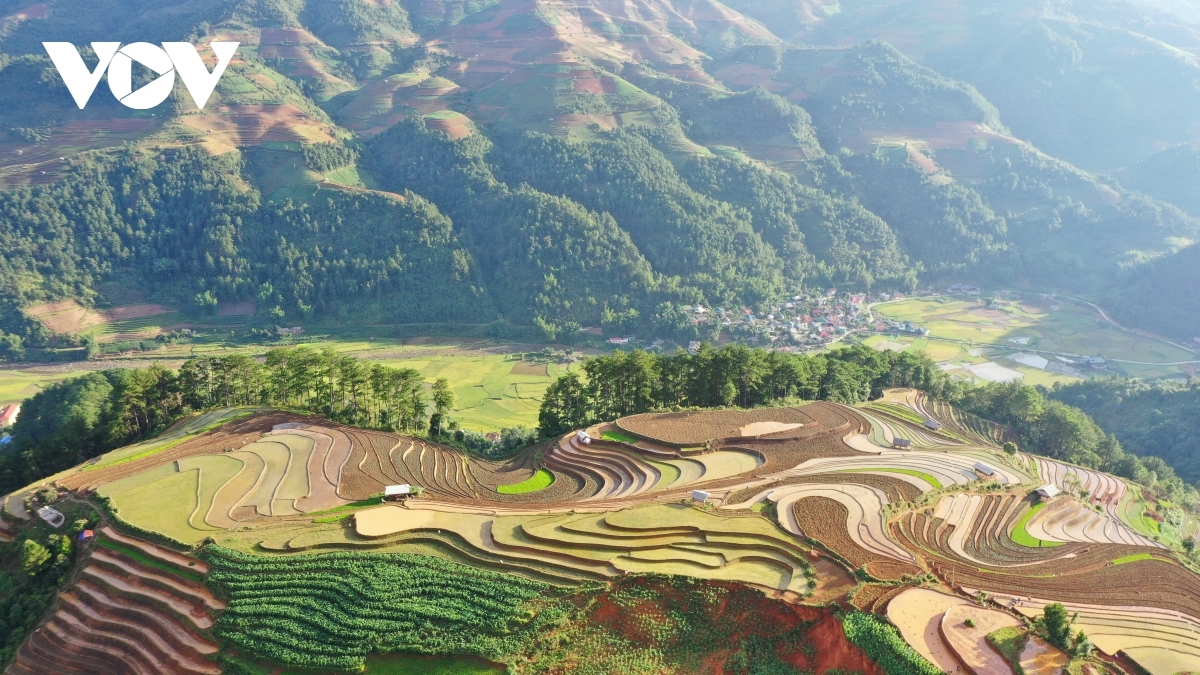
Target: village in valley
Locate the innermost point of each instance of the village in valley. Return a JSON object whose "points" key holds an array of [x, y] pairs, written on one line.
{"points": [[974, 336]]}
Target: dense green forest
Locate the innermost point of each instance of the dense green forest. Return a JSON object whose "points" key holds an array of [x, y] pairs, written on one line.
{"points": [[1161, 418], [187, 222], [1162, 295], [827, 153], [637, 382]]}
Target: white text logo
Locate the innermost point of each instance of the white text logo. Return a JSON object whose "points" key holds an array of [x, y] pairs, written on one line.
{"points": [[171, 58]]}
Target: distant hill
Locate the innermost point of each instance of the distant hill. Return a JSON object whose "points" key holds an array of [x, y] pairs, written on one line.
{"points": [[384, 162], [1170, 175], [1163, 295]]}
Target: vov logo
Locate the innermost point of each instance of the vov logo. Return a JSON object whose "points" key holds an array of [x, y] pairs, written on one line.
{"points": [[171, 58]]}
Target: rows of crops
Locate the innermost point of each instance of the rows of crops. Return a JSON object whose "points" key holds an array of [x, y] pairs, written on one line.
{"points": [[882, 642], [332, 610]]}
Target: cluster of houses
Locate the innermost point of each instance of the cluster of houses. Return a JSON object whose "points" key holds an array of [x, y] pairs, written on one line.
{"points": [[804, 321]]}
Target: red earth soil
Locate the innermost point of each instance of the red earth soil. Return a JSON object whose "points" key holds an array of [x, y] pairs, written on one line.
{"points": [[748, 612]]}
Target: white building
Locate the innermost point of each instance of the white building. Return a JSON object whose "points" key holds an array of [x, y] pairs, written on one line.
{"points": [[395, 491], [52, 516], [700, 496], [1048, 491]]}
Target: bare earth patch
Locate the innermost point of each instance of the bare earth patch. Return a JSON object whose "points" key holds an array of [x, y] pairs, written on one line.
{"points": [[134, 312], [387, 520], [70, 317], [67, 316], [1041, 658], [764, 428], [918, 613], [526, 368], [970, 642]]}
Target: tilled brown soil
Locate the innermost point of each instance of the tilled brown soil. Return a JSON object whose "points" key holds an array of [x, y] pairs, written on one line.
{"points": [[1084, 577], [895, 489]]}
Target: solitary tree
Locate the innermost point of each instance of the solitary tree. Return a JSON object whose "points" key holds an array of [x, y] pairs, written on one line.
{"points": [[1056, 625], [443, 400]]}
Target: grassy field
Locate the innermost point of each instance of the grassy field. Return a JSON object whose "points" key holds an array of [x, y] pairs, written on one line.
{"points": [[165, 506], [538, 481], [492, 390], [17, 385], [968, 332], [1022, 537]]}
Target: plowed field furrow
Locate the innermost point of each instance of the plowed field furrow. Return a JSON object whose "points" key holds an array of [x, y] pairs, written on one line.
{"points": [[625, 480], [981, 525], [449, 464], [610, 481], [131, 652], [396, 456], [354, 484], [161, 650], [123, 586], [411, 457], [642, 476], [378, 446], [454, 475], [48, 651], [590, 481], [427, 462], [443, 471], [165, 625], [142, 575]]}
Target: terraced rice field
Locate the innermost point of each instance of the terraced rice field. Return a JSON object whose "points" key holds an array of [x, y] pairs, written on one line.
{"points": [[798, 500], [1162, 642], [961, 325], [140, 612]]}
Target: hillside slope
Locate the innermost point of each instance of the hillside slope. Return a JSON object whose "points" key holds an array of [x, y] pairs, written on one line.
{"points": [[553, 162]]}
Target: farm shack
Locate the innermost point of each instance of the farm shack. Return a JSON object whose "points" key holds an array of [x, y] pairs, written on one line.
{"points": [[932, 424], [8, 415], [397, 492], [901, 444], [984, 469], [52, 516], [700, 496], [583, 437], [1048, 491]]}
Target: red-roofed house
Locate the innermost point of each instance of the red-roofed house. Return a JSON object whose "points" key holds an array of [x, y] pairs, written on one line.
{"points": [[9, 414]]}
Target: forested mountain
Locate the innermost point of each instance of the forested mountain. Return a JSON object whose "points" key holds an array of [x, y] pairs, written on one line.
{"points": [[1161, 418], [400, 162]]}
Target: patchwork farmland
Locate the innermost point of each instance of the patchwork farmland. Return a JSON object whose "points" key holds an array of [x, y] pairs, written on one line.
{"points": [[946, 538]]}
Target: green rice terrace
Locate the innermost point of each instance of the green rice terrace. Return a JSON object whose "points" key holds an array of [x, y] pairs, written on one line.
{"points": [[1037, 339], [784, 540]]}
